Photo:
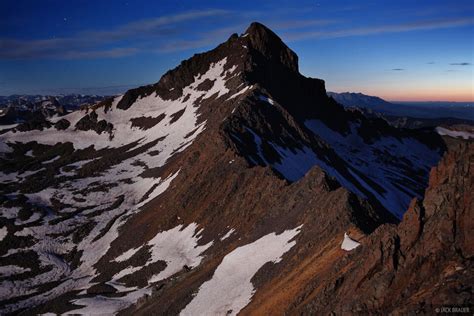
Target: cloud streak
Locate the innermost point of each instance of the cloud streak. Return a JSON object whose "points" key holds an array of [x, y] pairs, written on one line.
{"points": [[205, 39], [460, 64], [215, 36], [382, 29], [93, 44], [296, 24], [159, 35], [152, 26]]}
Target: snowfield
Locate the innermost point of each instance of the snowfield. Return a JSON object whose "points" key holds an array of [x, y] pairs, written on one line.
{"points": [[105, 201], [230, 288], [177, 247]]}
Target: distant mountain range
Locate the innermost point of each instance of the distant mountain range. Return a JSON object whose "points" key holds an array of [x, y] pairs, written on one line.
{"points": [[454, 112], [15, 109], [23, 108], [358, 99], [69, 101]]}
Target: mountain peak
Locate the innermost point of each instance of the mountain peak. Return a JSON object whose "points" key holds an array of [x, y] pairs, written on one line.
{"points": [[271, 46], [257, 27]]}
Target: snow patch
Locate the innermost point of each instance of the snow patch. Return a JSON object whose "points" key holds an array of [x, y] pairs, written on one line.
{"points": [[4, 127], [230, 288], [348, 243], [101, 305], [227, 235], [178, 247], [3, 232], [52, 159], [6, 271], [126, 255], [241, 91], [448, 132], [266, 99]]}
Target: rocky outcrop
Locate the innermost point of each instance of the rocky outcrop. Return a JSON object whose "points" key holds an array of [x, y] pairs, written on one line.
{"points": [[38, 122], [271, 47], [62, 124], [90, 122], [422, 264]]}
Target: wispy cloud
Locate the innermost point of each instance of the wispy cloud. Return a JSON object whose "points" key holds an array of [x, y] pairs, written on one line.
{"points": [[173, 33], [218, 35], [147, 27], [398, 69], [100, 90], [296, 24], [430, 63], [460, 64], [108, 53], [381, 29], [201, 40], [61, 48], [93, 44]]}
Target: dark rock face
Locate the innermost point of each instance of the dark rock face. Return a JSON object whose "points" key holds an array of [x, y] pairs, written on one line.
{"points": [[271, 47], [147, 122], [274, 66], [131, 96], [37, 123], [90, 122], [62, 124]]}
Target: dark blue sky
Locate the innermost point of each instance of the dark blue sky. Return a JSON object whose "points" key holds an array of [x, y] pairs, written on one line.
{"points": [[399, 50]]}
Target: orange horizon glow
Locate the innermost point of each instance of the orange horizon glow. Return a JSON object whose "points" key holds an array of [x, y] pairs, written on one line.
{"points": [[426, 99], [418, 97], [425, 94], [414, 87]]}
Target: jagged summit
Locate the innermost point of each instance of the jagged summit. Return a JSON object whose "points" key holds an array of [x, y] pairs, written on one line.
{"points": [[260, 57], [271, 46]]}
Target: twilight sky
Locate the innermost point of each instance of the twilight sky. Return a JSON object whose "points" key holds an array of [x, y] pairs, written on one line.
{"points": [[398, 50]]}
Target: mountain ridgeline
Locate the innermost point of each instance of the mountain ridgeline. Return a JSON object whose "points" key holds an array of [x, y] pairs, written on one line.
{"points": [[409, 115], [232, 185]]}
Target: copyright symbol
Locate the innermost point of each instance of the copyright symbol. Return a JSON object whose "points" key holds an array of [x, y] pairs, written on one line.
{"points": [[437, 310]]}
